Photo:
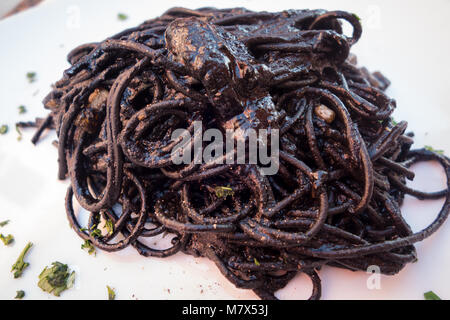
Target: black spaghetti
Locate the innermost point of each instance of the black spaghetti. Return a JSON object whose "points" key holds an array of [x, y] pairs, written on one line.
{"points": [[343, 161]]}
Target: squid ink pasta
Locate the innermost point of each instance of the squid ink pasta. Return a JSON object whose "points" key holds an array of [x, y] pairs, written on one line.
{"points": [[343, 161]]}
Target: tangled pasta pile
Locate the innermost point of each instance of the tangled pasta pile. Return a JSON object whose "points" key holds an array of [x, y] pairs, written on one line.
{"points": [[343, 165]]}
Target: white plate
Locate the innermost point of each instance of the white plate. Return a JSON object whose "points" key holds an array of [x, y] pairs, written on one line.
{"points": [[407, 40]]}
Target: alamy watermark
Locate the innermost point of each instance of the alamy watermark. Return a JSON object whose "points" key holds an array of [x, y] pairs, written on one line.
{"points": [[258, 147], [73, 17], [374, 280]]}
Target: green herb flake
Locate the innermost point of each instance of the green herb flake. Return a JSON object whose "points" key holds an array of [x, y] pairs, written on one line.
{"points": [[96, 233], [111, 293], [356, 16], [109, 225], [430, 295], [20, 265], [256, 262], [56, 279], [430, 148], [394, 123], [4, 129], [223, 192], [22, 109], [19, 294], [90, 248], [4, 223], [19, 138], [122, 16], [7, 240], [31, 76]]}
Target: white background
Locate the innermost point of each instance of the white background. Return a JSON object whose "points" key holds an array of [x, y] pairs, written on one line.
{"points": [[407, 40]]}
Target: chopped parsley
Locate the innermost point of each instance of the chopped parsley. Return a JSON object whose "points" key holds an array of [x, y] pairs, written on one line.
{"points": [[20, 265], [19, 138], [19, 294], [4, 129], [109, 225], [22, 109], [31, 76], [430, 148], [90, 248], [56, 279], [223, 192], [256, 262], [96, 233], [4, 223], [111, 293], [7, 240], [356, 16], [122, 16], [430, 295]]}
